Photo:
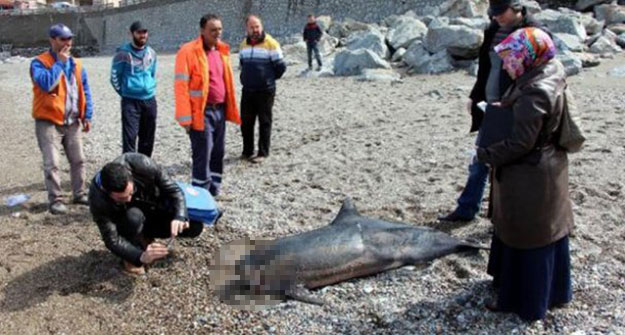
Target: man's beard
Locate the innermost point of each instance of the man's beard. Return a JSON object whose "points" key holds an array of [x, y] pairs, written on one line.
{"points": [[139, 42]]}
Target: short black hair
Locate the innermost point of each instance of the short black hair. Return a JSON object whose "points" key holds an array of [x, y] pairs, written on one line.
{"points": [[208, 17], [115, 177]]}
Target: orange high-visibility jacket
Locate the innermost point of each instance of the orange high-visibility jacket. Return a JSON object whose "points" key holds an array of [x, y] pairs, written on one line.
{"points": [[50, 105], [191, 84]]}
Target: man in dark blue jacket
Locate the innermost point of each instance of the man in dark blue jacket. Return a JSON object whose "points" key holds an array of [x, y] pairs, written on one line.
{"points": [[133, 76], [261, 65], [312, 35]]}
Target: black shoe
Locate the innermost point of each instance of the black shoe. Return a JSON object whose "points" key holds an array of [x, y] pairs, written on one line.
{"points": [[455, 217], [81, 200]]}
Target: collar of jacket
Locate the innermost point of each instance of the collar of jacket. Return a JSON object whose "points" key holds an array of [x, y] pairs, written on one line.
{"points": [[222, 47], [248, 39], [524, 82]]}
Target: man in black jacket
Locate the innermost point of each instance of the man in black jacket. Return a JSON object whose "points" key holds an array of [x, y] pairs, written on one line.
{"points": [[312, 35], [492, 82], [133, 202]]}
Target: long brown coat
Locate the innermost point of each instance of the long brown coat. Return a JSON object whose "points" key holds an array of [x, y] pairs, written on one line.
{"points": [[531, 206]]}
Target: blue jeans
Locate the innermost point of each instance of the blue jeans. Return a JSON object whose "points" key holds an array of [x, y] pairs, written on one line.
{"points": [[310, 49], [471, 197]]}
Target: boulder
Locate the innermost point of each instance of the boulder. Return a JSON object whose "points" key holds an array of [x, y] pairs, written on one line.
{"points": [[604, 45], [398, 55], [572, 63], [583, 5], [588, 60], [479, 23], [324, 22], [346, 28], [352, 62], [568, 42], [557, 22], [404, 31], [421, 61], [610, 14], [371, 40], [531, 6], [620, 40], [459, 40], [458, 8], [617, 28]]}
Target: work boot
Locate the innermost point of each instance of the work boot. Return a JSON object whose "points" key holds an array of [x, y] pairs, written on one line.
{"points": [[318, 68], [58, 207], [455, 216], [132, 269], [81, 200]]}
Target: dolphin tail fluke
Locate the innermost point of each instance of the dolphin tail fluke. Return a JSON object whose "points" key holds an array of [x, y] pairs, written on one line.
{"points": [[469, 245]]}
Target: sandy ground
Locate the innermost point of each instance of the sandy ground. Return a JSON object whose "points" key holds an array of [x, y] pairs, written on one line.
{"points": [[400, 150]]}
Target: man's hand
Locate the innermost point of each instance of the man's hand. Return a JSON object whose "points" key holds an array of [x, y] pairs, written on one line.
{"points": [[469, 106], [153, 252], [178, 226], [64, 54], [86, 125]]}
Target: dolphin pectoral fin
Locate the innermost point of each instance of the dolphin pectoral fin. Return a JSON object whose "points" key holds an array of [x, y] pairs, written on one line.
{"points": [[303, 295], [348, 208]]}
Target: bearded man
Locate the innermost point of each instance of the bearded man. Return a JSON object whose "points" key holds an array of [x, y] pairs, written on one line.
{"points": [[133, 76]]}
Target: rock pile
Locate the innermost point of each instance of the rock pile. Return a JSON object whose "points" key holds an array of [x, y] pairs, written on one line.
{"points": [[449, 38]]}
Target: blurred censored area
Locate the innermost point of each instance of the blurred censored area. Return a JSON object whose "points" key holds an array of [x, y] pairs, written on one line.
{"points": [[252, 274]]}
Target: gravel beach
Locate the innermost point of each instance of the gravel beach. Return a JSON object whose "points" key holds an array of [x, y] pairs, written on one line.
{"points": [[400, 150]]}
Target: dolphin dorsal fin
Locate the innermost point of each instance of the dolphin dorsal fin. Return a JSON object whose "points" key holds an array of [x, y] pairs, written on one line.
{"points": [[347, 209]]}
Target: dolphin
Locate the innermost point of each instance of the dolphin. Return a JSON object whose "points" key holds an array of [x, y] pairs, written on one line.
{"points": [[257, 273]]}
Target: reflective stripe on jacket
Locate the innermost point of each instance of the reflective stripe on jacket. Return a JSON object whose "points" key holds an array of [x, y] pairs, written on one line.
{"points": [[49, 102], [191, 84]]}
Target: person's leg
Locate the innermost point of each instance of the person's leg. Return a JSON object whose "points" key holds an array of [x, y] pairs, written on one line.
{"points": [[48, 139], [317, 55], [218, 125], [309, 52], [131, 115], [132, 229], [471, 198], [248, 119], [147, 127], [200, 156], [72, 143], [265, 119]]}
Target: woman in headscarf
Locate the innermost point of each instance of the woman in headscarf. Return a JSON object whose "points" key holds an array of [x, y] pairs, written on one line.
{"points": [[532, 216]]}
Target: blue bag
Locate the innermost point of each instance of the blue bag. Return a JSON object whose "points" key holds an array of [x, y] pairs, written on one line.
{"points": [[200, 203]]}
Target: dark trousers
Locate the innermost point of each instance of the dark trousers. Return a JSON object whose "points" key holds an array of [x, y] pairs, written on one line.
{"points": [[208, 149], [140, 224], [138, 120], [310, 49], [253, 105]]}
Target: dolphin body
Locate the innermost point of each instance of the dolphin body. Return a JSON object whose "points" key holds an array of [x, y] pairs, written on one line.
{"points": [[350, 246]]}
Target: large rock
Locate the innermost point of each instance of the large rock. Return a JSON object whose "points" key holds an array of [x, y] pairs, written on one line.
{"points": [[371, 40], [531, 6], [421, 61], [346, 28], [451, 8], [617, 28], [610, 13], [352, 62], [568, 42], [557, 22], [324, 22], [587, 20], [588, 59], [572, 63], [296, 53], [605, 45], [459, 40], [398, 55], [479, 23], [583, 5], [404, 31], [620, 40]]}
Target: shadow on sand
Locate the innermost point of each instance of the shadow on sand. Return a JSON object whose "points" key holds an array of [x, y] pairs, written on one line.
{"points": [[95, 274]]}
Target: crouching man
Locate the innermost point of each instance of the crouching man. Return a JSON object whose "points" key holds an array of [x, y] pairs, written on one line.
{"points": [[133, 202]]}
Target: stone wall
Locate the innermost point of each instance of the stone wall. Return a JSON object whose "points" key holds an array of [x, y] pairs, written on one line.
{"points": [[174, 22]]}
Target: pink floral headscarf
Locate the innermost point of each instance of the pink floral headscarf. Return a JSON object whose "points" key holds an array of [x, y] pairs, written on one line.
{"points": [[525, 49]]}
